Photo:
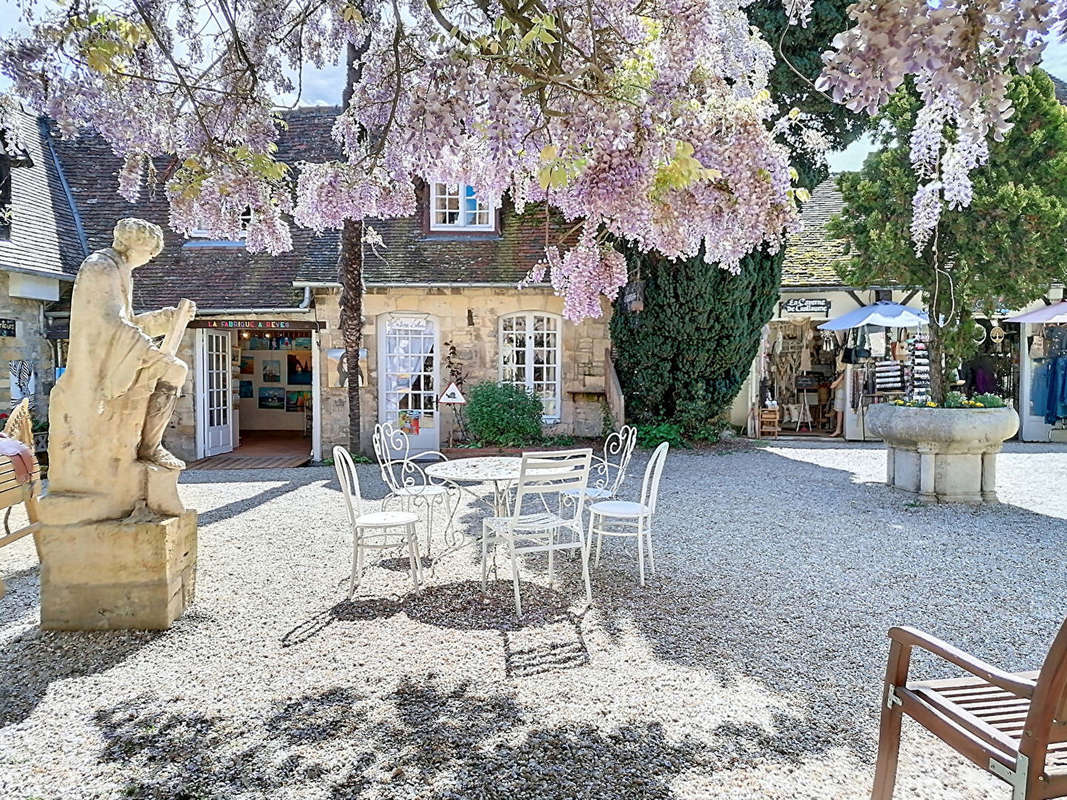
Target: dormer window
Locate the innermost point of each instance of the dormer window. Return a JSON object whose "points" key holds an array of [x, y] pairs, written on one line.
{"points": [[457, 208], [204, 233], [10, 157]]}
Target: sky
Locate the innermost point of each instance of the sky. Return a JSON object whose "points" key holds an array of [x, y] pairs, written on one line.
{"points": [[323, 87]]}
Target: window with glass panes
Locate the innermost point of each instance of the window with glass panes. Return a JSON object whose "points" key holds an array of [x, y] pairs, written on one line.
{"points": [[530, 357], [457, 207]]}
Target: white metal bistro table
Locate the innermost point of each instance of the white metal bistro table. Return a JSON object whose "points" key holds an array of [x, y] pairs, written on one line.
{"points": [[466, 473]]}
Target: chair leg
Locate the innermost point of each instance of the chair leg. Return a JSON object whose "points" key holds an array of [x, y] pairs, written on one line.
{"points": [[599, 539], [896, 674], [648, 544], [413, 555], [885, 771], [515, 580], [357, 566], [551, 564], [485, 553], [429, 524], [585, 571], [641, 550]]}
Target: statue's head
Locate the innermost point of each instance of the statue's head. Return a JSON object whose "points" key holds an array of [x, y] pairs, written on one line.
{"points": [[138, 241]]}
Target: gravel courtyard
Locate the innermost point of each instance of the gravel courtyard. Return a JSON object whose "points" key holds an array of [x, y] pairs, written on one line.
{"points": [[750, 667]]}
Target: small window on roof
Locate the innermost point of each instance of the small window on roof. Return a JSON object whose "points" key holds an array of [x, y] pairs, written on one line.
{"points": [[457, 207], [203, 233]]}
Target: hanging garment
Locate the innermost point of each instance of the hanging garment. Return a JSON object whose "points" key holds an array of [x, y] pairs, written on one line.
{"points": [[1039, 390], [1056, 406], [877, 340]]}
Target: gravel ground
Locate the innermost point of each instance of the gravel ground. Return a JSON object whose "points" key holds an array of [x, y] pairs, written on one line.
{"points": [[750, 667]]}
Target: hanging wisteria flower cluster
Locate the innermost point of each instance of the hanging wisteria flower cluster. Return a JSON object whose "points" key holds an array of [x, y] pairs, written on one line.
{"points": [[644, 120], [648, 120], [962, 55]]}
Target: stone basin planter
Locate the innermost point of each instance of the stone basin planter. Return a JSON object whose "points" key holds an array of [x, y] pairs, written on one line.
{"points": [[945, 455]]}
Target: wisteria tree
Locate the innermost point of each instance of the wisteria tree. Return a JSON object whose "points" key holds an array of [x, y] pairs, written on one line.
{"points": [[649, 120]]}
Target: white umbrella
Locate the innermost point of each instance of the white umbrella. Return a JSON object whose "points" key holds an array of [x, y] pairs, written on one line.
{"points": [[883, 313], [1057, 312]]}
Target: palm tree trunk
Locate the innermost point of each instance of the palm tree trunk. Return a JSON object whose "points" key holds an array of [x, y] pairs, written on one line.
{"points": [[350, 272]]}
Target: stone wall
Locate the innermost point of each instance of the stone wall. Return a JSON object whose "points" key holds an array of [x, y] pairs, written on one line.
{"points": [[29, 344], [469, 318]]}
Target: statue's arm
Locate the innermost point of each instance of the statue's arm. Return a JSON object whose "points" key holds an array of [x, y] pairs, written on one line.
{"points": [[156, 323]]}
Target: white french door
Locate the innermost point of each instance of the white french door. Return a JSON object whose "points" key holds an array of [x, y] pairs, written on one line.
{"points": [[214, 398], [407, 386]]}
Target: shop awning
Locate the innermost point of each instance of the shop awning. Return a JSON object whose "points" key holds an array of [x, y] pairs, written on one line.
{"points": [[1057, 312], [882, 313]]}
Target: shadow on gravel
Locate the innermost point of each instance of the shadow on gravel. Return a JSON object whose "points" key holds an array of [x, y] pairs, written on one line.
{"points": [[793, 582], [31, 662], [247, 504], [427, 738]]}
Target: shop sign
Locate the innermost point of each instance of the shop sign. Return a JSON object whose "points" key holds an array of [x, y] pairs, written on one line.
{"points": [[7, 327], [253, 324], [806, 305]]}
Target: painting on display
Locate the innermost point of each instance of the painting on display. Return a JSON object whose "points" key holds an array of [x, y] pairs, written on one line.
{"points": [[248, 365], [299, 400], [408, 421], [271, 398], [272, 371], [302, 343], [246, 390], [299, 369]]}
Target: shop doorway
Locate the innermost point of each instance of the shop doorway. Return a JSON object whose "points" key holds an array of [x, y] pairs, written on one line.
{"points": [[255, 395], [407, 358], [800, 364]]}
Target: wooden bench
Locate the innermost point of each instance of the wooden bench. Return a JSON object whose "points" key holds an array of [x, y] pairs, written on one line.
{"points": [[19, 426], [1013, 725]]}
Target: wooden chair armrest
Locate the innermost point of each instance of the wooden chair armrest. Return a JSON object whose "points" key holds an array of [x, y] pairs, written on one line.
{"points": [[911, 637]]}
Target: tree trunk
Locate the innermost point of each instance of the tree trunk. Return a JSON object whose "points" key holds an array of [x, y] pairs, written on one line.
{"points": [[350, 273], [937, 360], [350, 269]]}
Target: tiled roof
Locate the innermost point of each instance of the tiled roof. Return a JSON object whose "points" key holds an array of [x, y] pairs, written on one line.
{"points": [[413, 255], [216, 277], [811, 255], [44, 238], [224, 277], [1060, 88]]}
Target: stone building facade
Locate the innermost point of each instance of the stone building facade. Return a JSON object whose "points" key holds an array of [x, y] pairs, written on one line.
{"points": [[457, 283]]}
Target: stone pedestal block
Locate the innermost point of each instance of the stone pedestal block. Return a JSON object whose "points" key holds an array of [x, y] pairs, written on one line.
{"points": [[138, 573], [944, 455]]}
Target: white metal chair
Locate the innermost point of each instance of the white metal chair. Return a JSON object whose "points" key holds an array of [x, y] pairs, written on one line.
{"points": [[532, 527], [407, 481], [618, 448], [627, 518], [376, 530]]}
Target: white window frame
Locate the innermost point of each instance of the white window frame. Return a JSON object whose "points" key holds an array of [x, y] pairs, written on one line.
{"points": [[528, 384], [442, 192], [204, 233]]}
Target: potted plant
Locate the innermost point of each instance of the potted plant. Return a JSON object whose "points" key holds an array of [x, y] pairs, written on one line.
{"points": [[1001, 251]]}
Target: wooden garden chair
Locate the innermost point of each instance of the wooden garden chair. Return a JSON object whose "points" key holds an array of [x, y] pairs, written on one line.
{"points": [[15, 486], [1013, 725]]}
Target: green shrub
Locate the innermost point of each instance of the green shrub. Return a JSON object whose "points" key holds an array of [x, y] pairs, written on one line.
{"points": [[955, 400], [503, 415], [989, 400], [559, 440], [649, 436]]}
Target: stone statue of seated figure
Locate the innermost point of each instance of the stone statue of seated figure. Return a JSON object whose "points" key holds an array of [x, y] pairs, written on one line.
{"points": [[112, 405]]}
